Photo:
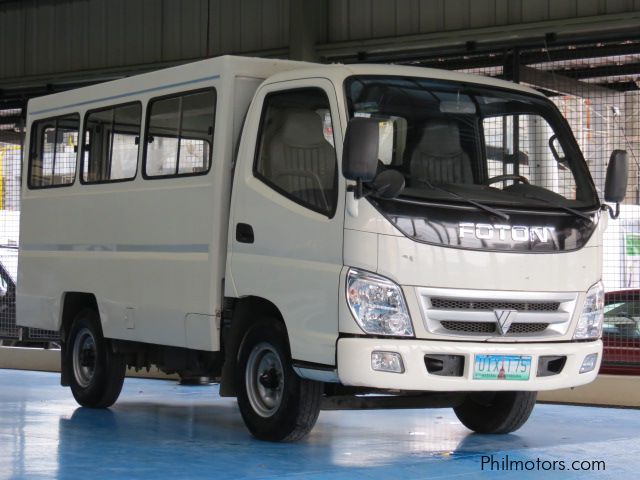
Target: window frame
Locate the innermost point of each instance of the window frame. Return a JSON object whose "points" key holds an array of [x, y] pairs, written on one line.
{"points": [[82, 148], [334, 207], [179, 136], [31, 146]]}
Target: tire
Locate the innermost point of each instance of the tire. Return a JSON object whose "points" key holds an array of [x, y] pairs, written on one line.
{"points": [[95, 372], [276, 405], [496, 412]]}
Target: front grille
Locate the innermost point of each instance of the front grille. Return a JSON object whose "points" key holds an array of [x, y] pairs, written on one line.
{"points": [[474, 313], [489, 327], [442, 303]]}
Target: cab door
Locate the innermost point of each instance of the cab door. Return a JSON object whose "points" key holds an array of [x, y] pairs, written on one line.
{"points": [[286, 229]]}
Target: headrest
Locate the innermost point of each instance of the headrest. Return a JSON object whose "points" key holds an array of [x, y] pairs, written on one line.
{"points": [[400, 140], [303, 128], [440, 138]]}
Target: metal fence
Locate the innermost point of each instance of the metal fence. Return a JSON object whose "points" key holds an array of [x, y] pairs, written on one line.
{"points": [[600, 97]]}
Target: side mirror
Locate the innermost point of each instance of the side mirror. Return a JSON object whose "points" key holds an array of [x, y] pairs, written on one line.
{"points": [[615, 186], [3, 287], [388, 184], [360, 151]]}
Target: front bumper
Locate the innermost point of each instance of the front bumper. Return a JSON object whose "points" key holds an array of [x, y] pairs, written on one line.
{"points": [[354, 364]]}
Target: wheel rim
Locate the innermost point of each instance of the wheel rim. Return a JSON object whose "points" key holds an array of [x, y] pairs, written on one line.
{"points": [[84, 357], [264, 378]]}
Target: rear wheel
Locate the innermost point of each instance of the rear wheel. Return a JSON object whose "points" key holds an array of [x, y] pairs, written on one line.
{"points": [[496, 412], [96, 373], [276, 405]]}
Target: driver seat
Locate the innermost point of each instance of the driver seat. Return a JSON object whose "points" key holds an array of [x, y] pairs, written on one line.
{"points": [[302, 162], [438, 157]]}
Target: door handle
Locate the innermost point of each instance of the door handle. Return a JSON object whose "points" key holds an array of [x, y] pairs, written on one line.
{"points": [[244, 233]]}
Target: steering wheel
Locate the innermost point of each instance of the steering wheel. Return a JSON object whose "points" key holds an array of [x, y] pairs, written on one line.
{"points": [[509, 176]]}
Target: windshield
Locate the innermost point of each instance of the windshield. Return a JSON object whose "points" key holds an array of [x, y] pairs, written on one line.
{"points": [[455, 141]]}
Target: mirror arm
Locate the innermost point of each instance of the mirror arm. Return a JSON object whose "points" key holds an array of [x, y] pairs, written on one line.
{"points": [[612, 213], [358, 189]]}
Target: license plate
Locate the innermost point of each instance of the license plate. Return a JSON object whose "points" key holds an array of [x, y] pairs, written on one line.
{"points": [[502, 367]]}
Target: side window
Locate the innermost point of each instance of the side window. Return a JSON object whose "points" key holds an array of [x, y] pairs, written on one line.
{"points": [[622, 320], [53, 151], [180, 134], [295, 154], [111, 140]]}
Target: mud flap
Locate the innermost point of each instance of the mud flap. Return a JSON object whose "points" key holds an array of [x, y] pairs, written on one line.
{"points": [[64, 368]]}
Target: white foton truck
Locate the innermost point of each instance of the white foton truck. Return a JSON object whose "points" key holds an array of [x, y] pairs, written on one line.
{"points": [[307, 235]]}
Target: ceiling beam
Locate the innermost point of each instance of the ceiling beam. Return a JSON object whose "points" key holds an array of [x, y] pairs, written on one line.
{"points": [[589, 50], [529, 35], [599, 71], [559, 83]]}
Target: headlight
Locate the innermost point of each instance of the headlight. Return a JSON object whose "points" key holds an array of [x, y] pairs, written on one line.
{"points": [[377, 304], [590, 323]]}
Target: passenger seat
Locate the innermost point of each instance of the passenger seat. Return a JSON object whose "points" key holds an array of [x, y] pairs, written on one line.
{"points": [[438, 157]]}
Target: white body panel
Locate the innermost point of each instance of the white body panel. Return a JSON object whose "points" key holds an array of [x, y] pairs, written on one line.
{"points": [[152, 251], [373, 244]]}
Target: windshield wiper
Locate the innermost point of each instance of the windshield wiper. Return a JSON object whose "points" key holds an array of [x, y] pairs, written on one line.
{"points": [[480, 206], [577, 213]]}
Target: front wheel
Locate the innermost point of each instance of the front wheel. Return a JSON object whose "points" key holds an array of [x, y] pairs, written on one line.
{"points": [[496, 412], [276, 405], [96, 373]]}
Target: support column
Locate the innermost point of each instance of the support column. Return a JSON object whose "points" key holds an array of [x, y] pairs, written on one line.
{"points": [[307, 22]]}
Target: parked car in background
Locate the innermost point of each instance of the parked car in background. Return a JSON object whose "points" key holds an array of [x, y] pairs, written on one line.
{"points": [[8, 271], [11, 334], [621, 333]]}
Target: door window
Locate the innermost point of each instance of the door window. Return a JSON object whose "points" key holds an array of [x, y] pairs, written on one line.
{"points": [[296, 154]]}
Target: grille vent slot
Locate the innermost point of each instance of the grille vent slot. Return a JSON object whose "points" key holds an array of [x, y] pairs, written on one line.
{"points": [[440, 303], [489, 327]]}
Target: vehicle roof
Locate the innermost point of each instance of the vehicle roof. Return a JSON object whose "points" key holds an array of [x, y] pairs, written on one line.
{"points": [[339, 72], [178, 76], [274, 70]]}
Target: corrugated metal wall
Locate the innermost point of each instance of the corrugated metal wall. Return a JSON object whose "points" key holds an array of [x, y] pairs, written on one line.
{"points": [[43, 37], [361, 19]]}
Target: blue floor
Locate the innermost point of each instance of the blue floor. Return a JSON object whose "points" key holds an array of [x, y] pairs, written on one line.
{"points": [[159, 429]]}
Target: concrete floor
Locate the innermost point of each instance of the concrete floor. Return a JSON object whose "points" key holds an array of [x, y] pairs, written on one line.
{"points": [[159, 429]]}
